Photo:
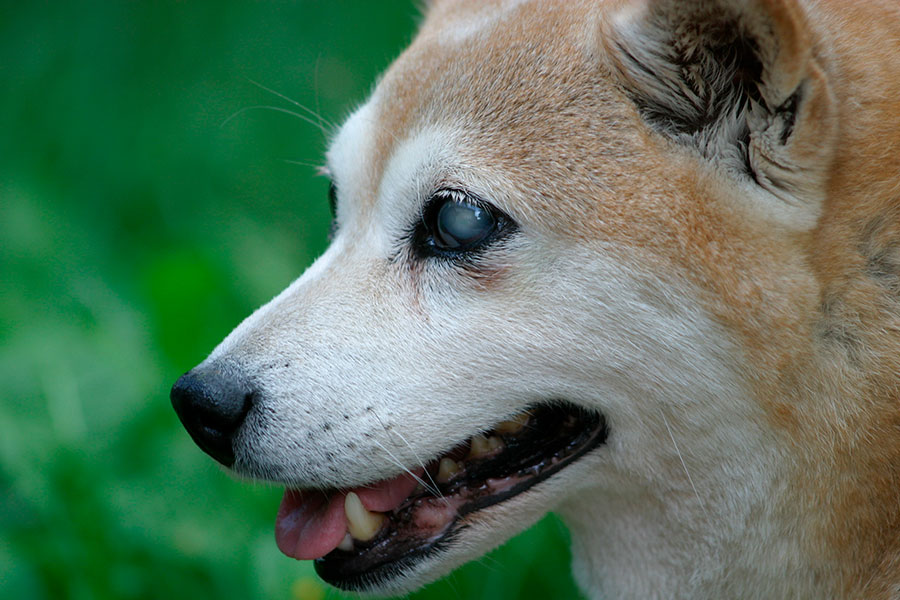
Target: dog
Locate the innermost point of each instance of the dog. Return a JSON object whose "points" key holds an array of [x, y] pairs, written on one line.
{"points": [[633, 261]]}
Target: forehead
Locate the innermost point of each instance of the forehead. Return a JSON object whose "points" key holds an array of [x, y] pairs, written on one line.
{"points": [[513, 80]]}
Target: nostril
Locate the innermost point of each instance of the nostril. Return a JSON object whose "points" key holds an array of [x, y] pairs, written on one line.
{"points": [[212, 404]]}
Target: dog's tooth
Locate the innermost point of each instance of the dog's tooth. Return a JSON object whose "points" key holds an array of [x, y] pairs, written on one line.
{"points": [[514, 425], [481, 445], [347, 543], [478, 446], [447, 469], [361, 523]]}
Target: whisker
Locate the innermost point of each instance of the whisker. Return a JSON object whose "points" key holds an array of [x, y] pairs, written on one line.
{"points": [[316, 91], [303, 118], [683, 464], [451, 580], [410, 473], [318, 168], [492, 564], [434, 490], [419, 460], [314, 113]]}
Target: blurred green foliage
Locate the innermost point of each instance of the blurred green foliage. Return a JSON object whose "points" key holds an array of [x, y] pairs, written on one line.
{"points": [[146, 206]]}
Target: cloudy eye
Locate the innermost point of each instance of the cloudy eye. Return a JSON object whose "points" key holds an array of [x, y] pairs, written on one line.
{"points": [[460, 224], [455, 224]]}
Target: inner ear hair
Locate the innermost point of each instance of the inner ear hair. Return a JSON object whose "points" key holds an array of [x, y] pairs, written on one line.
{"points": [[690, 81], [730, 79]]}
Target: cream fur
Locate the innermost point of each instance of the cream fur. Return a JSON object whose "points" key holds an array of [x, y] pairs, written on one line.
{"points": [[724, 291]]}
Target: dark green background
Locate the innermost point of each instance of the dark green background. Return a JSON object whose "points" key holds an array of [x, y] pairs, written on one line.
{"points": [[146, 206]]}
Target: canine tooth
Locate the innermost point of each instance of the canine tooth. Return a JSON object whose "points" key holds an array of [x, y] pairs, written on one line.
{"points": [[447, 469], [361, 523], [347, 543], [481, 445], [513, 425]]}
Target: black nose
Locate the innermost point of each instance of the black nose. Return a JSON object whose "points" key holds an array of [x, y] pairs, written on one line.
{"points": [[212, 403]]}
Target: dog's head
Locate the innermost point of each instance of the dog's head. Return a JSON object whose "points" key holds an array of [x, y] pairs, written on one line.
{"points": [[567, 266]]}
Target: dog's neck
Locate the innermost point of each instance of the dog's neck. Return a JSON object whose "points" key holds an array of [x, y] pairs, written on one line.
{"points": [[641, 553], [814, 527]]}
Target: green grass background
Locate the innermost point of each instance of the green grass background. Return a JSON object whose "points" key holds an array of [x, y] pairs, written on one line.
{"points": [[145, 208]]}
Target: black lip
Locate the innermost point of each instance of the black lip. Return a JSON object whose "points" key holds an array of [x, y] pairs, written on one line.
{"points": [[535, 456]]}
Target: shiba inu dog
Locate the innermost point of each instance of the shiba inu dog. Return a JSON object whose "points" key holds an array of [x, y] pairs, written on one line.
{"points": [[633, 261]]}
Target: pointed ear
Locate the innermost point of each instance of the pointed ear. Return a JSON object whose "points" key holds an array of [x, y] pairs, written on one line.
{"points": [[737, 80]]}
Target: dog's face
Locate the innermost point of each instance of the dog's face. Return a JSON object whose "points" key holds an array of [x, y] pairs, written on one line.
{"points": [[522, 256]]}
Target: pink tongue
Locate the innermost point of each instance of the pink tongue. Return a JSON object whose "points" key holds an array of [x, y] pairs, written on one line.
{"points": [[310, 524]]}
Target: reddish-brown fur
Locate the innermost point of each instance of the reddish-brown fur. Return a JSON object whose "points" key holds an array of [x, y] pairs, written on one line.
{"points": [[818, 321]]}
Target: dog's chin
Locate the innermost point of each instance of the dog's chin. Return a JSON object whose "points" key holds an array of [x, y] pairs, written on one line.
{"points": [[473, 498]]}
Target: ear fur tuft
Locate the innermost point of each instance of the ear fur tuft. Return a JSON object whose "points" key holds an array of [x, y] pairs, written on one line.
{"points": [[735, 80]]}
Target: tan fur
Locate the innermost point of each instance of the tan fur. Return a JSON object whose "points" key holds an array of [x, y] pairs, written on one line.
{"points": [[793, 271]]}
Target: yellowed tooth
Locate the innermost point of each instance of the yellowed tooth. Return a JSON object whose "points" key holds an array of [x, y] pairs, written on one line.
{"points": [[361, 523], [478, 446], [513, 425], [447, 469], [481, 445]]}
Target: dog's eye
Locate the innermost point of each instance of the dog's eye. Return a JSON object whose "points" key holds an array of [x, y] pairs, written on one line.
{"points": [[332, 199], [332, 205], [456, 224], [460, 225]]}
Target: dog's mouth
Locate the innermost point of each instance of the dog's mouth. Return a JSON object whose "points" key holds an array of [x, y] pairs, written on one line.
{"points": [[368, 535]]}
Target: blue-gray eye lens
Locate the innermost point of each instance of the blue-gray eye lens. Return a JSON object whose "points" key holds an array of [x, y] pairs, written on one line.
{"points": [[461, 224]]}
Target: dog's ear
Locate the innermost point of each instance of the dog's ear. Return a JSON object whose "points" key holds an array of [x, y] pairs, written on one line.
{"points": [[737, 80]]}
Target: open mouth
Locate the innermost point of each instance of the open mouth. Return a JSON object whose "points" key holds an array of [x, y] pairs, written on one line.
{"points": [[371, 534]]}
